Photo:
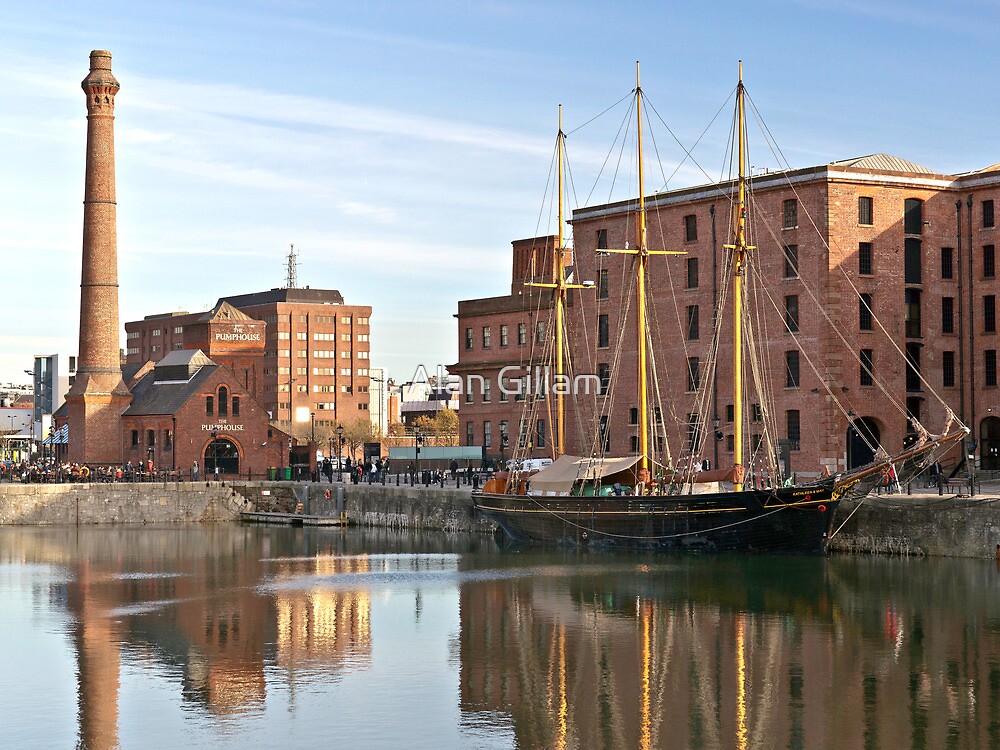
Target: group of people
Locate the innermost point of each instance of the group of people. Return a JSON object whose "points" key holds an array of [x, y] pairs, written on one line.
{"points": [[50, 470], [373, 471]]}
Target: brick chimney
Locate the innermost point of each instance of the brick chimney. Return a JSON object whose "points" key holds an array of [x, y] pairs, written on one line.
{"points": [[99, 395]]}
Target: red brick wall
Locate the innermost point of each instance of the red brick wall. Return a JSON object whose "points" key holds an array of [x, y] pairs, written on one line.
{"points": [[827, 236]]}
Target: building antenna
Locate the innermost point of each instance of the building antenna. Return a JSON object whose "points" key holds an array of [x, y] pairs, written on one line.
{"points": [[291, 282]]}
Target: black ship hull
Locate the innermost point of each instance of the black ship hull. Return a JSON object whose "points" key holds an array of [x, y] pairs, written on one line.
{"points": [[787, 520]]}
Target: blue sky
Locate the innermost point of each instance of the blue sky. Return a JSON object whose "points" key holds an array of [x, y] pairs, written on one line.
{"points": [[402, 146]]}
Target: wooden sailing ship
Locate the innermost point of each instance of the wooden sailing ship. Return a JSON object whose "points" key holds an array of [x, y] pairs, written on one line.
{"points": [[638, 501]]}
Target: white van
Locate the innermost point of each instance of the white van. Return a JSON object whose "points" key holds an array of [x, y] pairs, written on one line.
{"points": [[528, 464]]}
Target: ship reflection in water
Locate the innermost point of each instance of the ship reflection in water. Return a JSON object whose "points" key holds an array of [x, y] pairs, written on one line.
{"points": [[239, 637]]}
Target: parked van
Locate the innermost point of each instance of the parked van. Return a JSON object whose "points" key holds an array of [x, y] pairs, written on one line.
{"points": [[528, 464]]}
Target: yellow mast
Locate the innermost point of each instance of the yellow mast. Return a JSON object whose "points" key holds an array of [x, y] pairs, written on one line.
{"points": [[640, 286], [740, 249], [559, 274], [560, 287], [642, 253]]}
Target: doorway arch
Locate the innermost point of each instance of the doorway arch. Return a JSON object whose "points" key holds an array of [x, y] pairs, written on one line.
{"points": [[863, 438], [989, 444], [225, 454]]}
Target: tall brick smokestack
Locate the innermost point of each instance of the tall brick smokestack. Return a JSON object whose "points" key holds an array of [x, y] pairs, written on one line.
{"points": [[99, 395]]}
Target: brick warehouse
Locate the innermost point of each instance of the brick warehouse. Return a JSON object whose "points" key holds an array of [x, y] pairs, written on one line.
{"points": [[506, 331], [919, 247], [301, 352]]}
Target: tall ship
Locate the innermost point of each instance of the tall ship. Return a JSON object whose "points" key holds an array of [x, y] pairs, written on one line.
{"points": [[654, 498]]}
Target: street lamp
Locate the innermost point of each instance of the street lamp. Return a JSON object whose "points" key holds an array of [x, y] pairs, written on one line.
{"points": [[312, 421], [340, 450], [418, 440]]}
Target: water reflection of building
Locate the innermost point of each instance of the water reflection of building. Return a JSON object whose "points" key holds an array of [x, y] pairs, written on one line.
{"points": [[323, 626], [188, 602], [610, 662]]}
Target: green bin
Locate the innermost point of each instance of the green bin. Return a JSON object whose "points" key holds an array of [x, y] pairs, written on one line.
{"points": [[272, 473], [286, 472]]}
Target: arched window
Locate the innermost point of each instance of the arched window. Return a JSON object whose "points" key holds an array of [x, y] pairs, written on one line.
{"points": [[222, 453], [223, 401], [863, 437], [989, 443], [913, 216]]}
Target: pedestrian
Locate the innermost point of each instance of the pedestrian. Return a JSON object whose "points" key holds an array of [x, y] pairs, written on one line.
{"points": [[194, 472], [216, 471], [893, 480], [454, 468]]}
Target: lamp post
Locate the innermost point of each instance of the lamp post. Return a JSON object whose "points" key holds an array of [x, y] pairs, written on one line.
{"points": [[418, 440], [340, 450], [329, 455]]}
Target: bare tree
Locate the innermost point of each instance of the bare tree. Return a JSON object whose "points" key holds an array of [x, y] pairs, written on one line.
{"points": [[357, 432]]}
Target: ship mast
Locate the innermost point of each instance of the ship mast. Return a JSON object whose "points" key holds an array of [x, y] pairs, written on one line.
{"points": [[740, 249], [642, 253], [560, 287], [640, 286]]}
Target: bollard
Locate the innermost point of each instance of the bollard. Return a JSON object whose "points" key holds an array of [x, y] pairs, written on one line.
{"points": [[397, 480], [458, 482]]}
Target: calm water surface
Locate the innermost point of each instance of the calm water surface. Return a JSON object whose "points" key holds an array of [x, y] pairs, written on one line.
{"points": [[241, 637]]}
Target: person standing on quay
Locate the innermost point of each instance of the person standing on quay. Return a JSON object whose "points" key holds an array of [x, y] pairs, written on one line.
{"points": [[194, 472]]}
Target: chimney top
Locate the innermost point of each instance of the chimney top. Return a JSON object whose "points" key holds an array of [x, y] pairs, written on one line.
{"points": [[100, 59]]}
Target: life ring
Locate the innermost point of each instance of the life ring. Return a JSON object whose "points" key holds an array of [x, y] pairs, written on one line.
{"points": [[85, 472], [326, 494]]}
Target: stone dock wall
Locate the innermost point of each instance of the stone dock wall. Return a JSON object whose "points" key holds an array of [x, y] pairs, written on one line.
{"points": [[926, 525], [896, 525], [373, 505], [210, 502], [123, 503]]}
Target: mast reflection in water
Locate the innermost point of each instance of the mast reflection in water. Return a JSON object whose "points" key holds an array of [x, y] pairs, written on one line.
{"points": [[239, 637]]}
